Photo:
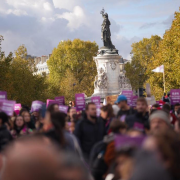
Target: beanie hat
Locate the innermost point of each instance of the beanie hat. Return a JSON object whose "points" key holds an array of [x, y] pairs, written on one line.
{"points": [[161, 115]]}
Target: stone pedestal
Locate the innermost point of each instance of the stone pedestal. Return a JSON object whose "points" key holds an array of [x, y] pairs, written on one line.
{"points": [[108, 69]]}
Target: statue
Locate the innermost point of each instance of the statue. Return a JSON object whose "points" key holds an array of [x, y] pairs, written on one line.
{"points": [[105, 31]]}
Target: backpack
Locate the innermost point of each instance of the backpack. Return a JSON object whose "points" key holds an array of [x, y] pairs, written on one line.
{"points": [[97, 164]]}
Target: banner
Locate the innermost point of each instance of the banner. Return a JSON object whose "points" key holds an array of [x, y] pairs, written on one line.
{"points": [[126, 141], [36, 105], [129, 95], [3, 95], [51, 101], [175, 96], [80, 102], [134, 100], [17, 108], [63, 108], [60, 100], [7, 106], [96, 100]]}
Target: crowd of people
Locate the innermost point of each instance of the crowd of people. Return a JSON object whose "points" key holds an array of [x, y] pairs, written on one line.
{"points": [[124, 143]]}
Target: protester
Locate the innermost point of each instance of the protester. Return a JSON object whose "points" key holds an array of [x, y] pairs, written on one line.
{"points": [[167, 108], [33, 158], [53, 108], [166, 145], [89, 130], [176, 107], [20, 128], [72, 114], [27, 118], [107, 115], [156, 106], [125, 110], [5, 135], [159, 120], [140, 119]]}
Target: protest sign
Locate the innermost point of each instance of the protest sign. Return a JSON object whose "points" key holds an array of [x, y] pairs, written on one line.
{"points": [[134, 100], [80, 102], [63, 108], [60, 100], [151, 100], [3, 95], [17, 108], [128, 94], [51, 101], [96, 100], [7, 106], [175, 96], [36, 106], [124, 141]]}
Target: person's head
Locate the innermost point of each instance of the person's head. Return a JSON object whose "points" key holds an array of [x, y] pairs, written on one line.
{"points": [[124, 162], [53, 108], [155, 106], [176, 107], [141, 105], [164, 94], [159, 120], [165, 145], [122, 101], [31, 158], [72, 112], [91, 110], [26, 116], [117, 126], [19, 122], [107, 112], [3, 118], [166, 108], [72, 168]]}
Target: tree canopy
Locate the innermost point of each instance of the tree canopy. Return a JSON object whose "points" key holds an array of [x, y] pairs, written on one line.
{"points": [[72, 63]]}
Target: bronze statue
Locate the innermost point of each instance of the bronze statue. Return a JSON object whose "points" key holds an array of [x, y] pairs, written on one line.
{"points": [[105, 31]]}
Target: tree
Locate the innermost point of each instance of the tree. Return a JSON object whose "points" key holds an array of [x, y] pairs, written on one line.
{"points": [[72, 62], [143, 52], [169, 56], [17, 79]]}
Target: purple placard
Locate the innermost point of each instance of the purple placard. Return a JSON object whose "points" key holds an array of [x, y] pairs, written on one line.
{"points": [[126, 141], [17, 108], [134, 100], [60, 99], [36, 106], [80, 102], [63, 108], [3, 95], [175, 96], [128, 94], [96, 100], [51, 101], [7, 107]]}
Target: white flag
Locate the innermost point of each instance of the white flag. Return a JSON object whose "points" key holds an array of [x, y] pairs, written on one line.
{"points": [[159, 69]]}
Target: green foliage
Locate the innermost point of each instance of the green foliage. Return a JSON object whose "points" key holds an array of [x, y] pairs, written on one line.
{"points": [[72, 62], [143, 52], [17, 79], [151, 53]]}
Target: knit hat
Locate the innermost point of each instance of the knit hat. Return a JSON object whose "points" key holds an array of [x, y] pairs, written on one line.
{"points": [[161, 115]]}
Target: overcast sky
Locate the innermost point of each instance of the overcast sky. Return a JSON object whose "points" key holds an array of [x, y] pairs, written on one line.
{"points": [[42, 24]]}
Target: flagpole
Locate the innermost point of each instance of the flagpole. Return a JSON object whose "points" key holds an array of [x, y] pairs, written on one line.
{"points": [[164, 82]]}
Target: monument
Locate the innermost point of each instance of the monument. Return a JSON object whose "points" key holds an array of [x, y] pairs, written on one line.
{"points": [[110, 79]]}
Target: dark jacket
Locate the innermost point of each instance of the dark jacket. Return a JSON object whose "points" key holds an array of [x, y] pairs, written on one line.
{"points": [[5, 137], [88, 134], [126, 113], [136, 120]]}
